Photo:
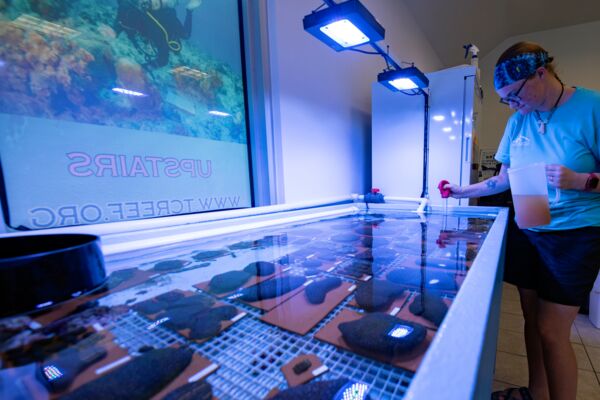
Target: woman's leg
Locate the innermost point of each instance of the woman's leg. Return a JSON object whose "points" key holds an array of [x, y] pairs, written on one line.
{"points": [[538, 382], [554, 323]]}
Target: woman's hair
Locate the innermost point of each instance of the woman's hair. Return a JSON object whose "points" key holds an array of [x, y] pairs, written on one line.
{"points": [[527, 47]]}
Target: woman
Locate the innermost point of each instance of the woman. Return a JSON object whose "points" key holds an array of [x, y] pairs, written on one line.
{"points": [[554, 266]]}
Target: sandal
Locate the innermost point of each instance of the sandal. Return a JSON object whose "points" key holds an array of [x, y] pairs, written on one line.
{"points": [[514, 393]]}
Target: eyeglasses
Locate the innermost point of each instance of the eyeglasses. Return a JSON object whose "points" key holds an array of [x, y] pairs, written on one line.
{"points": [[514, 97]]}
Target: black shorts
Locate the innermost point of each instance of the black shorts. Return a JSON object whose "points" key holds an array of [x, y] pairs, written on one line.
{"points": [[560, 265]]}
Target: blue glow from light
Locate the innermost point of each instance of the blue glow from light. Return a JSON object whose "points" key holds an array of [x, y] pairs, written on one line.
{"points": [[438, 118], [219, 113], [434, 281], [46, 304], [2, 63], [357, 391], [235, 296], [345, 33], [400, 331], [447, 129], [157, 323], [52, 373], [128, 92], [403, 84]]}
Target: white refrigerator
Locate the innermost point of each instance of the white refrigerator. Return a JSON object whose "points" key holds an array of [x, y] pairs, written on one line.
{"points": [[398, 122]]}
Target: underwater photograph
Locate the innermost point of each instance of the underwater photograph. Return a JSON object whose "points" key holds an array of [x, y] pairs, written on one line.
{"points": [[147, 65]]}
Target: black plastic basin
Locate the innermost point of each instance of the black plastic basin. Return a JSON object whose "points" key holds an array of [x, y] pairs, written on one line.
{"points": [[37, 272]]}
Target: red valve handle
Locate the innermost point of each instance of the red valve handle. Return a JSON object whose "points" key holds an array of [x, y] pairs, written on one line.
{"points": [[444, 192]]}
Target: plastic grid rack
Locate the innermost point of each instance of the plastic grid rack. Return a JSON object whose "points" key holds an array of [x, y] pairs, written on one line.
{"points": [[250, 354]]}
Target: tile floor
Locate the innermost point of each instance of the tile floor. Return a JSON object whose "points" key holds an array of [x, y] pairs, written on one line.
{"points": [[511, 363]]}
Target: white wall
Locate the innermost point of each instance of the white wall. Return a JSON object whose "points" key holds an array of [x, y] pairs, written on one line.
{"points": [[576, 52], [323, 98]]}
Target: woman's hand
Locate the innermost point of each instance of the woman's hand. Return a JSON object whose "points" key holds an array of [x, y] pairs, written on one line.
{"points": [[562, 177], [488, 187], [455, 190]]}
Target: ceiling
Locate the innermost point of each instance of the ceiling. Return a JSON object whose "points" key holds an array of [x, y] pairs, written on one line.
{"points": [[449, 24]]}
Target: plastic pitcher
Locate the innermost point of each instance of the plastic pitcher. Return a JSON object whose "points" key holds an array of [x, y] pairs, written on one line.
{"points": [[530, 195]]}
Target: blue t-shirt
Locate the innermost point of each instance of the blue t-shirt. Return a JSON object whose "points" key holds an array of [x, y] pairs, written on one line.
{"points": [[572, 139]]}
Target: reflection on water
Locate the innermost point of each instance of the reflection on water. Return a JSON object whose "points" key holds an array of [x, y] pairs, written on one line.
{"points": [[381, 282]]}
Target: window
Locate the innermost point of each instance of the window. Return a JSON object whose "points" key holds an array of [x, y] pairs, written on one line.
{"points": [[121, 110]]}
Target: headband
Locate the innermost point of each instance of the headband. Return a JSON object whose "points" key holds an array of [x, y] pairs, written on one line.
{"points": [[519, 67]]}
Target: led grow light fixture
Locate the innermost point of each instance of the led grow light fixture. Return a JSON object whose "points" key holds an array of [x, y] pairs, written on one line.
{"points": [[344, 26], [403, 79]]}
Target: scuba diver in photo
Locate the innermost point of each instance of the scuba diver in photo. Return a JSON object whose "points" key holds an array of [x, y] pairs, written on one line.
{"points": [[154, 28]]}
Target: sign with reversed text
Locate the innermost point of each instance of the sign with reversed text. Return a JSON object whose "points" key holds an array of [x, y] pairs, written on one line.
{"points": [[65, 173]]}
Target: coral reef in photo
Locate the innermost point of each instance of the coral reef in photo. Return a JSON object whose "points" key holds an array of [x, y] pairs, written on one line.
{"points": [[75, 61]]}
